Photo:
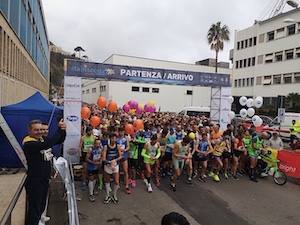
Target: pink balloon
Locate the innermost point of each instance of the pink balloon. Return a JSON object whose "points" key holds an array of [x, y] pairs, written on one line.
{"points": [[139, 111], [130, 103], [126, 108], [152, 109], [134, 105], [147, 108]]}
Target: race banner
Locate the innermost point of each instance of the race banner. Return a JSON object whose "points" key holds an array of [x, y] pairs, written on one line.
{"points": [[289, 163], [85, 69], [72, 108], [225, 107]]}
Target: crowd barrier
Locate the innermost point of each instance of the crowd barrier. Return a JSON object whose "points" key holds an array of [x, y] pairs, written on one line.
{"points": [[66, 172], [289, 161]]}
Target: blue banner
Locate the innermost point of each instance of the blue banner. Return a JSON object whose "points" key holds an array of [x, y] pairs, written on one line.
{"points": [[146, 75]]}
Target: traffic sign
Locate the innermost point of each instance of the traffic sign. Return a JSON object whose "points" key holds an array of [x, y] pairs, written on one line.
{"points": [[281, 114]]}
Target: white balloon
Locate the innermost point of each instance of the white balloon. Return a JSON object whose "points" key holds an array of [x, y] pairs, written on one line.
{"points": [[250, 112], [230, 99], [231, 115], [243, 113], [249, 102], [258, 102], [258, 122], [255, 118], [243, 100]]}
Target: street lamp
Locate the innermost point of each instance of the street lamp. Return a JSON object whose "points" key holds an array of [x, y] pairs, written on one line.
{"points": [[292, 3]]}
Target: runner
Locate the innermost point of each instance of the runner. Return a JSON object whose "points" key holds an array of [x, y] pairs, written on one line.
{"points": [[94, 162], [238, 150], [167, 160], [111, 156], [132, 160], [181, 153], [151, 152]]}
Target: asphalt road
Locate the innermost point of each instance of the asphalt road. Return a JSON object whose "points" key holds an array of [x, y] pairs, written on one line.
{"points": [[226, 202]]}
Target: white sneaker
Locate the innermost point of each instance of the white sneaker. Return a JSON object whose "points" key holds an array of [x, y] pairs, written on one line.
{"points": [[264, 174], [41, 223], [44, 219], [149, 188]]}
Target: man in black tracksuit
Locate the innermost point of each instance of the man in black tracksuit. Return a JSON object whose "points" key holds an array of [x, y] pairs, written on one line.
{"points": [[37, 149]]}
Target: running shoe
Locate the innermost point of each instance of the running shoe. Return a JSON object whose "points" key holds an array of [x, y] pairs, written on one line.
{"points": [[115, 199], [92, 199], [107, 199], [195, 175], [83, 186], [216, 178], [174, 188], [235, 178], [145, 181], [157, 183], [133, 183], [264, 174], [189, 182], [149, 189], [211, 174], [226, 176], [127, 190], [202, 179], [95, 192], [44, 219], [129, 181]]}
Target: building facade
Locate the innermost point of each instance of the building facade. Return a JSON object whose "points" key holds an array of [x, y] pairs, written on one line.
{"points": [[166, 97], [266, 58], [24, 51]]}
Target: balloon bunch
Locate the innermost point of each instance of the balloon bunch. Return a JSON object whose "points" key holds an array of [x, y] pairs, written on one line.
{"points": [[131, 128], [250, 103], [112, 105], [133, 107]]}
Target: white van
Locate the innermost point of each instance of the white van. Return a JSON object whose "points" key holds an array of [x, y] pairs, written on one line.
{"points": [[195, 111], [283, 129]]}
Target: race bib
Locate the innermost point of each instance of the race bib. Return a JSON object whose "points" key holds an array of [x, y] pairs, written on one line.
{"points": [[48, 154]]}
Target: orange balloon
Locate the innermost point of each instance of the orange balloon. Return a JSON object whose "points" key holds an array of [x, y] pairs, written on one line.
{"points": [[138, 124], [101, 102], [129, 129], [95, 121], [112, 106], [85, 112]]}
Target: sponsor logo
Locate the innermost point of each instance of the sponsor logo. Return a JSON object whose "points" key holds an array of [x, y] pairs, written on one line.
{"points": [[72, 85], [73, 135], [72, 118], [72, 151]]}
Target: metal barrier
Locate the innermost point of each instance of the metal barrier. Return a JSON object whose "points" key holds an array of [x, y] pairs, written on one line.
{"points": [[6, 220]]}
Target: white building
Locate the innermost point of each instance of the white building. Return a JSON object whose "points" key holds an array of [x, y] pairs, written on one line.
{"points": [[166, 97], [266, 58]]}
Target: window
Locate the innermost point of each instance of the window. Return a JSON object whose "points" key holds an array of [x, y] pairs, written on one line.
{"points": [[269, 58], [235, 82], [258, 80], [261, 38], [277, 79], [291, 29], [245, 62], [249, 61], [83, 92], [298, 52], [242, 44], [155, 90], [102, 88], [146, 89], [253, 61], [271, 36], [254, 41], [236, 64], [267, 80], [278, 56], [287, 78], [93, 90], [280, 33], [241, 63], [251, 81], [289, 54], [240, 82], [135, 89], [248, 82], [238, 45], [243, 82], [260, 59], [297, 77], [189, 92], [87, 91], [250, 42], [267, 100], [246, 43]]}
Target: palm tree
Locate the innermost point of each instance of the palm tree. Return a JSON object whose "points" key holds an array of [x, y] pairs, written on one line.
{"points": [[79, 49], [216, 36], [293, 99]]}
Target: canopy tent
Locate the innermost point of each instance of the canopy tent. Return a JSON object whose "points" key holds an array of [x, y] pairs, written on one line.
{"points": [[17, 117]]}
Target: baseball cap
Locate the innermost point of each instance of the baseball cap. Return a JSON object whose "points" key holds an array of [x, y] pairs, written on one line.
{"points": [[172, 129]]}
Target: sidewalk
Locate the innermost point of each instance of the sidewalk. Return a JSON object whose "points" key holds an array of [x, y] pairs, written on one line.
{"points": [[138, 208]]}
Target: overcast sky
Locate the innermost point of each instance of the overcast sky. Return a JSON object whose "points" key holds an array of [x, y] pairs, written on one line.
{"points": [[172, 30]]}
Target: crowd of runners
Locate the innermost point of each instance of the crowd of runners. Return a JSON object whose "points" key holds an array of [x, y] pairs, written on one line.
{"points": [[165, 146]]}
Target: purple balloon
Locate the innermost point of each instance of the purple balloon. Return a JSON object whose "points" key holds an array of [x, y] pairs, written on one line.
{"points": [[139, 111], [147, 107], [126, 108], [130, 103], [134, 105]]}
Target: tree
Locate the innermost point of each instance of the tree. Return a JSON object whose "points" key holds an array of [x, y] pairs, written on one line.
{"points": [[294, 100], [216, 36]]}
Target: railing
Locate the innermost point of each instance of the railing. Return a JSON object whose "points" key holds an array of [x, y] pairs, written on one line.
{"points": [[6, 220]]}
